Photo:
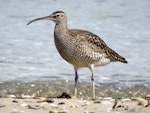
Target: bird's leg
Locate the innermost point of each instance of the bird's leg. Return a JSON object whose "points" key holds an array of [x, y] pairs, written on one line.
{"points": [[93, 85], [92, 79], [76, 81]]}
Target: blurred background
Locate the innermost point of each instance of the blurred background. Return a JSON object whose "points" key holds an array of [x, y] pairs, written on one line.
{"points": [[28, 53]]}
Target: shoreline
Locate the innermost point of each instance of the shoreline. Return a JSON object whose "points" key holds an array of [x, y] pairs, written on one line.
{"points": [[29, 104], [53, 88]]}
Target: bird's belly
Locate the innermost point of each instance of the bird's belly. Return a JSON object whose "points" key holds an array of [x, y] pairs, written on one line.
{"points": [[80, 58], [102, 62]]}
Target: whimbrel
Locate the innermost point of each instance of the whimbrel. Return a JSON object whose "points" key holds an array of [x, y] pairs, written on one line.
{"points": [[79, 47]]}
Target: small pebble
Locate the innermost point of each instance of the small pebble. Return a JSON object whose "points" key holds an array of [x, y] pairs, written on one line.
{"points": [[15, 110], [119, 106], [97, 102], [62, 112], [54, 111], [64, 95], [14, 101], [32, 85], [2, 106], [126, 108], [92, 99], [41, 99], [49, 100], [61, 103], [84, 105]]}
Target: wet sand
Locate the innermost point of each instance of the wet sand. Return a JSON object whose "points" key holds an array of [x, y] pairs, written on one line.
{"points": [[29, 104]]}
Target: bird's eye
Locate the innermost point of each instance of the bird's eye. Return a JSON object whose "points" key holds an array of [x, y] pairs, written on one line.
{"points": [[57, 15]]}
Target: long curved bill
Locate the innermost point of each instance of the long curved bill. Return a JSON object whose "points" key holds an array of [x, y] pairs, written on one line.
{"points": [[41, 18]]}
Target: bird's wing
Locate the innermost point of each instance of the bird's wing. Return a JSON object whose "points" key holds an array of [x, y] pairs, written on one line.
{"points": [[95, 44], [89, 39]]}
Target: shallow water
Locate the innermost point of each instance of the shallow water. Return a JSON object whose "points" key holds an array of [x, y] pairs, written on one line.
{"points": [[55, 88], [28, 54]]}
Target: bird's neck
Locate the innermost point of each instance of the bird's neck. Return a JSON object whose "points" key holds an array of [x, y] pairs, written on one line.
{"points": [[61, 29]]}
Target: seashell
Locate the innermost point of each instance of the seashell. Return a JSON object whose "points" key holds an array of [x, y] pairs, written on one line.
{"points": [[27, 96], [137, 99], [53, 105], [73, 97], [42, 98], [84, 105], [73, 106], [86, 111], [24, 104], [106, 102], [143, 102], [34, 107], [12, 96], [85, 101], [126, 99], [108, 109], [108, 98], [147, 97]]}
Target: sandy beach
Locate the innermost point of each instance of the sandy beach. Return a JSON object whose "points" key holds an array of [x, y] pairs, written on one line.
{"points": [[28, 104]]}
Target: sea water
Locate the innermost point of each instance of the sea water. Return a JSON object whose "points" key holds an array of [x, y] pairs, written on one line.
{"points": [[28, 53]]}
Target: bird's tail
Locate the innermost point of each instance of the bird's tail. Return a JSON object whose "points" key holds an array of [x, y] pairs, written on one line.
{"points": [[116, 57], [123, 60]]}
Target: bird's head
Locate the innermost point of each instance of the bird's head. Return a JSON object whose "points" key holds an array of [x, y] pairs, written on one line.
{"points": [[57, 17]]}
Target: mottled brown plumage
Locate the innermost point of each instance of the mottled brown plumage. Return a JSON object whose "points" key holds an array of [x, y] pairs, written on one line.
{"points": [[79, 47]]}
